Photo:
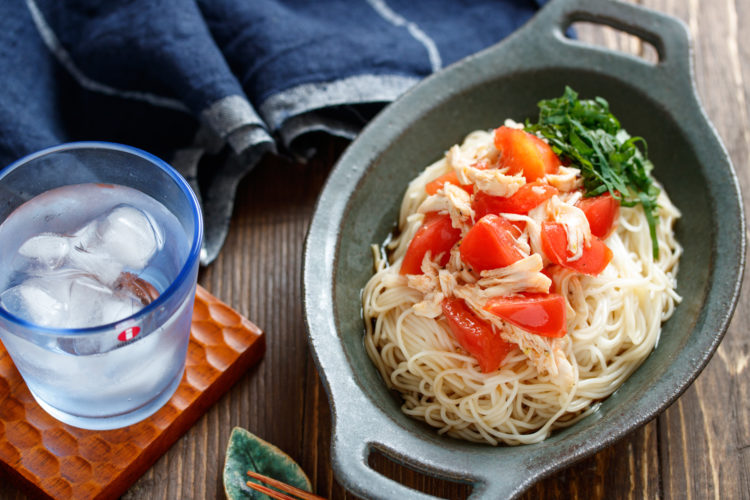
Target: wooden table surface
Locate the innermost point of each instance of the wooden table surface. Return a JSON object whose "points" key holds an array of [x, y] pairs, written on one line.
{"points": [[698, 448]]}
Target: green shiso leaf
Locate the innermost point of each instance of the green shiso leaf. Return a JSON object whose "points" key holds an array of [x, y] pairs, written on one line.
{"points": [[246, 451], [586, 134]]}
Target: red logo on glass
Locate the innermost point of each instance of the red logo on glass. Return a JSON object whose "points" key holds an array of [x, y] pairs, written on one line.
{"points": [[129, 333]]}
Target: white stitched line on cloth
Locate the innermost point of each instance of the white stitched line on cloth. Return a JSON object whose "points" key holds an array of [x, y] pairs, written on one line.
{"points": [[54, 45], [392, 17]]}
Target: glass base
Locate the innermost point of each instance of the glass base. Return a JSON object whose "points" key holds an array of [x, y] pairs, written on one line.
{"points": [[114, 421]]}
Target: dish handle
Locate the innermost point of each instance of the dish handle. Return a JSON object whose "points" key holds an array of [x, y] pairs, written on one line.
{"points": [[356, 438], [350, 460], [667, 34]]}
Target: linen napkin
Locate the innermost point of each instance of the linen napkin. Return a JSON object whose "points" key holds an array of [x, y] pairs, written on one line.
{"points": [[213, 85]]}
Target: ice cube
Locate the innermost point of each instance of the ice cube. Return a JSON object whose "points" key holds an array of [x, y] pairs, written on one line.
{"points": [[85, 345], [119, 307], [129, 236], [91, 303], [48, 249], [94, 261], [37, 302], [86, 236], [86, 296], [100, 342]]}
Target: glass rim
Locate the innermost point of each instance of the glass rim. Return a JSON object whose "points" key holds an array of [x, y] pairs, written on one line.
{"points": [[192, 257]]}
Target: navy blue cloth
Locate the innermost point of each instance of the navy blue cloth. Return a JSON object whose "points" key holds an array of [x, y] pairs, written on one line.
{"points": [[212, 85]]}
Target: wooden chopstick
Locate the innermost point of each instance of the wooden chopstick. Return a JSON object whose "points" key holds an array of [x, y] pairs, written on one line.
{"points": [[268, 491], [280, 485]]}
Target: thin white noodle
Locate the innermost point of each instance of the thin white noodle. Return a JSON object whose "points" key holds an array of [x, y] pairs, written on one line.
{"points": [[614, 322]]}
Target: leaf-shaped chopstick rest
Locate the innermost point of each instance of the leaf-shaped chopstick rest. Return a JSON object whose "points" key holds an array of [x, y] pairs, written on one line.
{"points": [[246, 451]]}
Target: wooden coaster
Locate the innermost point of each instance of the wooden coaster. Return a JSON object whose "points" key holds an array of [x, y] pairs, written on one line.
{"points": [[50, 459]]}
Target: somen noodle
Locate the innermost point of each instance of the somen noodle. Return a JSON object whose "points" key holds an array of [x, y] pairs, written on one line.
{"points": [[613, 319]]}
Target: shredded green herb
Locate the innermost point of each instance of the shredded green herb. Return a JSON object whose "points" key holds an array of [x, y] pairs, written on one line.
{"points": [[586, 134]]}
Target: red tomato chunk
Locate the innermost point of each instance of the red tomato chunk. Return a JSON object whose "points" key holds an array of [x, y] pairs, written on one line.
{"points": [[602, 213], [555, 245], [528, 196], [490, 244], [539, 313], [525, 153], [475, 335], [436, 235], [449, 178]]}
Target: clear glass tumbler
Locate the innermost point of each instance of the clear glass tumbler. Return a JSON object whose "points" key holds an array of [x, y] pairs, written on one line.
{"points": [[110, 375]]}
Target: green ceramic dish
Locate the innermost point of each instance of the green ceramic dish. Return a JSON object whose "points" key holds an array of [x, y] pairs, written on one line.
{"points": [[359, 206]]}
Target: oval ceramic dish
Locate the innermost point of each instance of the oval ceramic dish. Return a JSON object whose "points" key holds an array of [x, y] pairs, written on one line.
{"points": [[359, 207]]}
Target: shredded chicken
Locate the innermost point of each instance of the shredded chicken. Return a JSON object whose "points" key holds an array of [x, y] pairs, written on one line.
{"points": [[571, 217], [522, 276], [454, 201], [437, 202], [492, 180], [435, 284], [566, 179], [513, 124], [427, 281], [465, 162], [547, 354], [479, 151], [460, 205]]}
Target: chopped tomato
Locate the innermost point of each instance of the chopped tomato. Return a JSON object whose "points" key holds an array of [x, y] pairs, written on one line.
{"points": [[475, 335], [528, 196], [594, 259], [449, 178], [602, 212], [526, 153], [539, 313], [518, 227], [436, 235], [490, 244], [549, 272]]}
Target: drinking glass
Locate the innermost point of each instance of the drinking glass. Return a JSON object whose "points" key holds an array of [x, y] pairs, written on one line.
{"points": [[111, 375]]}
